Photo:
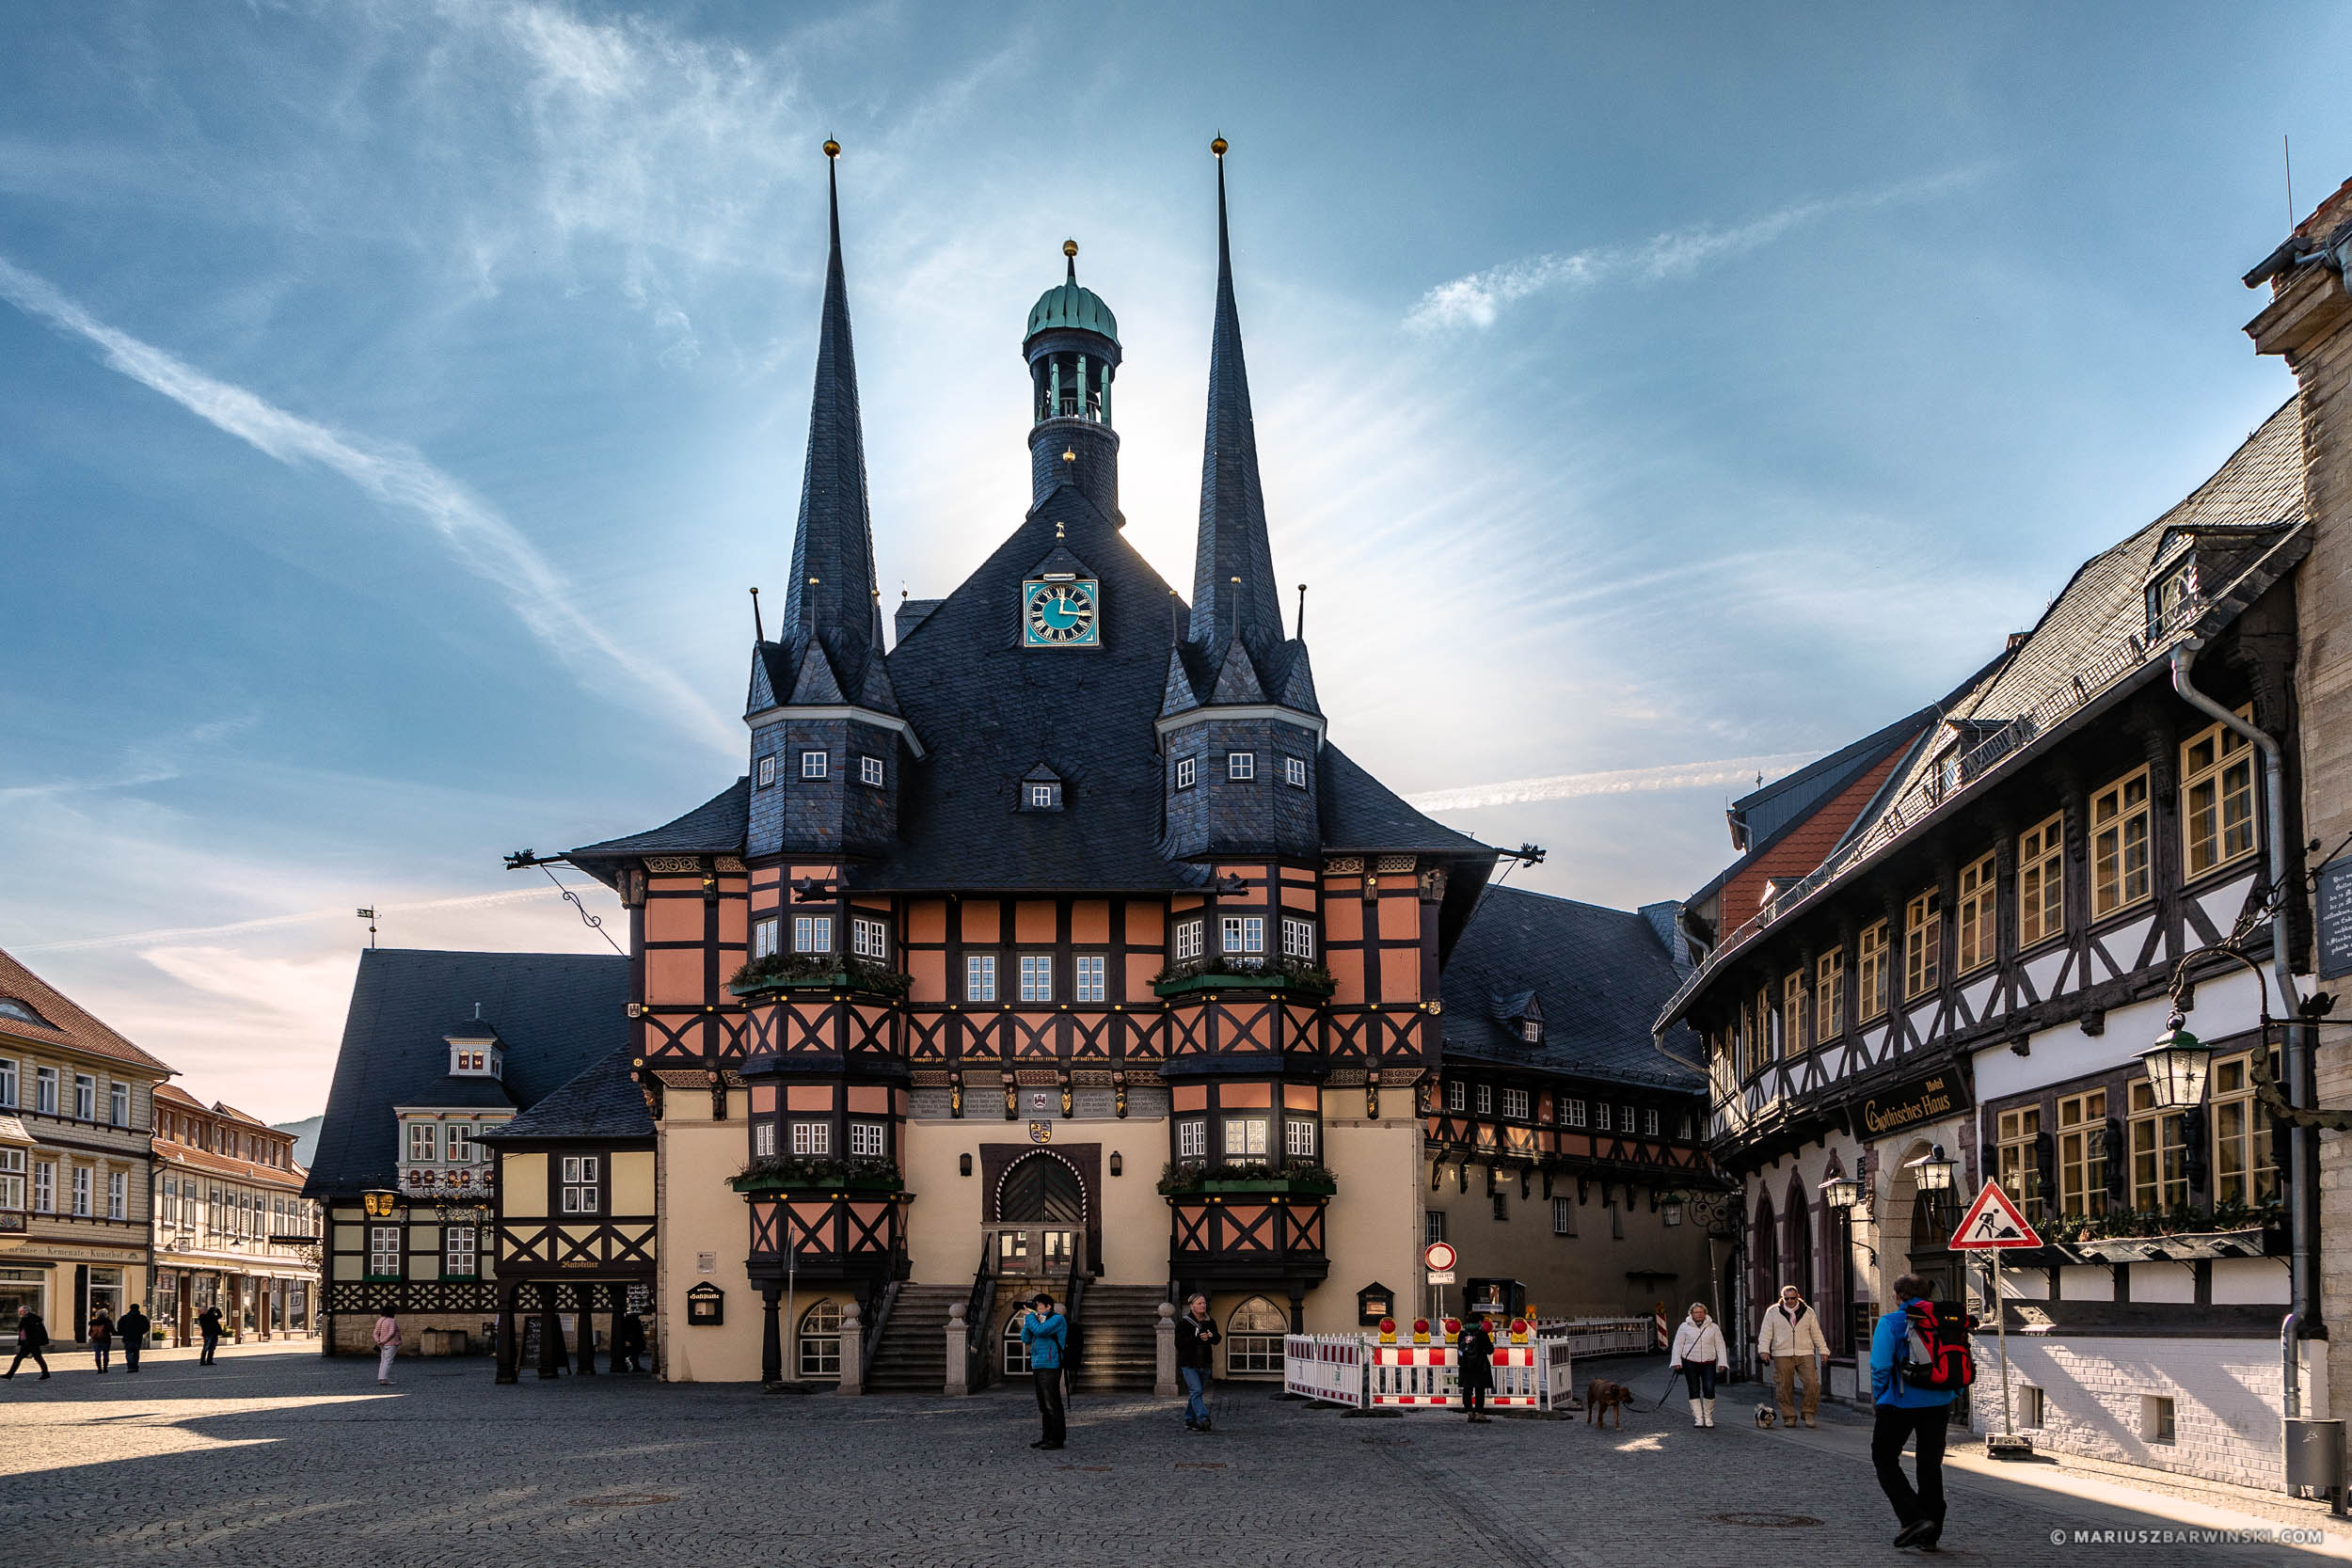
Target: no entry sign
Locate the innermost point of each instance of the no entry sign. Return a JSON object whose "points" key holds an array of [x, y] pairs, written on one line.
{"points": [[1438, 1257]]}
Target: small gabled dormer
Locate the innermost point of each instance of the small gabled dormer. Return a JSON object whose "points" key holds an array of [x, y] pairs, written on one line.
{"points": [[2171, 587], [1040, 790], [1523, 1015], [475, 1050]]}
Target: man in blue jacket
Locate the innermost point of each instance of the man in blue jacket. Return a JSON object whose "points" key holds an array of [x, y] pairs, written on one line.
{"points": [[1906, 1414], [1045, 1335]]}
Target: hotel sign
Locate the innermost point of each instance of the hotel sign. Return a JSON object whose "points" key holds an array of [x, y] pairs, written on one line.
{"points": [[1907, 1104]]}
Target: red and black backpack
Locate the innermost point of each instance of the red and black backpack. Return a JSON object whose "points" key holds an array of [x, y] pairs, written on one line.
{"points": [[1936, 1356]]}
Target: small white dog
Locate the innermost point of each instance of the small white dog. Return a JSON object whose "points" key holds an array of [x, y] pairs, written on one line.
{"points": [[1766, 1415]]}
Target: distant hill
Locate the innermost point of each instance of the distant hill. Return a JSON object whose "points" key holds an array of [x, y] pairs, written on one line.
{"points": [[306, 1133]]}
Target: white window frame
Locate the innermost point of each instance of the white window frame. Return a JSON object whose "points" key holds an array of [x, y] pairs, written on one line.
{"points": [[764, 936], [1187, 771], [813, 763], [1243, 935], [980, 977], [119, 1104], [870, 938], [117, 1195], [763, 1139], [1247, 1136], [458, 1144], [423, 1141], [1294, 773], [8, 1081], [1040, 796], [1486, 1100], [1036, 977], [1601, 1117], [1298, 1137], [13, 1162], [45, 1090], [812, 1136], [1625, 1118], [1457, 1095], [1189, 938], [1241, 766], [85, 1096], [1192, 1138], [44, 1187], [1092, 980], [1298, 938], [461, 1252], [766, 771], [80, 1184], [812, 933], [1563, 1215], [1572, 1113], [1516, 1103], [582, 1183], [386, 1245], [869, 1140], [869, 771], [1649, 1124]]}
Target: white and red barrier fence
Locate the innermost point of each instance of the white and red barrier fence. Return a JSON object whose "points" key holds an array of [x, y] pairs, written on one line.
{"points": [[1359, 1371], [1602, 1335]]}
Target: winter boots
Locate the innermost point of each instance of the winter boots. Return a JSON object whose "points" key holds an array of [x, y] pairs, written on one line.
{"points": [[1702, 1413]]}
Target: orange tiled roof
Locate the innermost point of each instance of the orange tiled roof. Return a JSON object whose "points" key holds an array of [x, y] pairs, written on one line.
{"points": [[68, 1024], [172, 1152]]}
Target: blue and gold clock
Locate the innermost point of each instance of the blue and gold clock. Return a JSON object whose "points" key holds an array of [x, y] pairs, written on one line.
{"points": [[1059, 611]]}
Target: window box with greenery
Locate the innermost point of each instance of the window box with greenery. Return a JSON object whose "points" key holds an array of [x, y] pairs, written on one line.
{"points": [[1222, 973], [803, 1173], [819, 971], [2230, 1229], [1298, 1178]]}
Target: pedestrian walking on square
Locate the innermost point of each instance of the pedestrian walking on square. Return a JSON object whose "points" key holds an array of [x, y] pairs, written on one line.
{"points": [[631, 1337], [32, 1338], [1045, 1335], [1196, 1360], [1700, 1355], [1474, 1358], [208, 1325], [1791, 1343], [101, 1336], [1905, 1414], [387, 1344], [134, 1327]]}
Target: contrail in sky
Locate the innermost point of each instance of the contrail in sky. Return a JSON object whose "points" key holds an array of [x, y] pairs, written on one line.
{"points": [[1629, 781], [274, 921], [485, 543]]}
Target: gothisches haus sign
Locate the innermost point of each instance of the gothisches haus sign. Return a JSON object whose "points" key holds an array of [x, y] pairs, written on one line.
{"points": [[1909, 1103]]}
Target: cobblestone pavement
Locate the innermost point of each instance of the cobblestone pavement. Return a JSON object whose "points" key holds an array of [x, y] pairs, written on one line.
{"points": [[275, 1456]]}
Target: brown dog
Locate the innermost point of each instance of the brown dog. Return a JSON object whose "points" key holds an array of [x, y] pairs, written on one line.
{"points": [[1603, 1396]]}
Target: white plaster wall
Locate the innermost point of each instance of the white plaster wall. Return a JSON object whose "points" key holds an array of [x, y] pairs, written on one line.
{"points": [[2163, 1282], [2063, 1052], [2226, 1394], [2261, 1281]]}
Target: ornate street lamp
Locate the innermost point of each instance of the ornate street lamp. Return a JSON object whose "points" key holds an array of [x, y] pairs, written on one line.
{"points": [[1933, 1170], [2177, 1065], [1842, 1193], [1670, 1209]]}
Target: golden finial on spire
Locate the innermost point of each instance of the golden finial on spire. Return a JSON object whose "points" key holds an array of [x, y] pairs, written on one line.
{"points": [[832, 147], [1070, 248], [1218, 146]]}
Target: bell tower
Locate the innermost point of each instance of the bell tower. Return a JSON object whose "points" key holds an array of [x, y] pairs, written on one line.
{"points": [[1072, 346]]}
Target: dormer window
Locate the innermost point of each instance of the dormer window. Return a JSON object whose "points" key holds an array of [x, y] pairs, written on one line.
{"points": [[2173, 588], [1532, 1030], [1040, 790], [473, 1053]]}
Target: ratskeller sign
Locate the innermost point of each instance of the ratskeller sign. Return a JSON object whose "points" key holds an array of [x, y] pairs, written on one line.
{"points": [[1936, 1095]]}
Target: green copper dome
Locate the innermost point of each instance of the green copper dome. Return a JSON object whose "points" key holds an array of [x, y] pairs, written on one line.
{"points": [[1069, 305]]}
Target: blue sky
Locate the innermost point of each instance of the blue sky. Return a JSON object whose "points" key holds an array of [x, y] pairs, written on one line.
{"points": [[401, 397]]}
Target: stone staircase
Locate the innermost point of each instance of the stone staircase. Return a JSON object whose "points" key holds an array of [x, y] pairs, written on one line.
{"points": [[1117, 1349], [911, 1355]]}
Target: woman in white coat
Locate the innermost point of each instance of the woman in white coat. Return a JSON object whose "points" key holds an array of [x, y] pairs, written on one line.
{"points": [[1699, 1354]]}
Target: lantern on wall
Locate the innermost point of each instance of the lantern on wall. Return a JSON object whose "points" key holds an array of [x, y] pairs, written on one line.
{"points": [[1933, 1170], [1670, 1209], [2177, 1065], [1842, 1192]]}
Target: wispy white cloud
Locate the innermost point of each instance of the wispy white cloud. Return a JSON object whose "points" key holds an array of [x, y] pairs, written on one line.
{"points": [[481, 539], [1477, 299], [339, 913], [1747, 772]]}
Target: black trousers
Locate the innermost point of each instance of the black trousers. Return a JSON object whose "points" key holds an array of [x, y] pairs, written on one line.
{"points": [[212, 1343], [132, 1345], [38, 1359], [1924, 1425], [1048, 1381]]}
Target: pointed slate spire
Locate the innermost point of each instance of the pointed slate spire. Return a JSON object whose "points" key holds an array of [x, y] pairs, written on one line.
{"points": [[832, 595], [1232, 542]]}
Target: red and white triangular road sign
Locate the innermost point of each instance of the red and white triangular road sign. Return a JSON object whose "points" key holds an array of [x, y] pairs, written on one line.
{"points": [[1993, 1221]]}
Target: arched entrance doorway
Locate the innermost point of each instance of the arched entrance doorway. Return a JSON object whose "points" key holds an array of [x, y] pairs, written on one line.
{"points": [[1040, 1217]]}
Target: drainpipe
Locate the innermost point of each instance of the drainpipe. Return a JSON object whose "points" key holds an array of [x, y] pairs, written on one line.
{"points": [[2304, 1321]]}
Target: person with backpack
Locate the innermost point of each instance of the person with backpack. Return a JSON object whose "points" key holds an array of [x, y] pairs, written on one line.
{"points": [[101, 1336], [1700, 1355], [1919, 1359], [1791, 1343]]}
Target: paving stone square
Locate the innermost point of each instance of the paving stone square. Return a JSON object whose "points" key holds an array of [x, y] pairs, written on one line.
{"points": [[276, 1456]]}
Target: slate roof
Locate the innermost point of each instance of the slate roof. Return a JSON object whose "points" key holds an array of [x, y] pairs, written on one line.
{"points": [[466, 1091], [557, 1012], [1599, 976], [1361, 812], [1232, 542], [603, 1102], [63, 1021], [714, 827]]}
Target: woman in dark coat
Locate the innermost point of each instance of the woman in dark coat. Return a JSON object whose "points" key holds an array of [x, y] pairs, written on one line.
{"points": [[1475, 1353]]}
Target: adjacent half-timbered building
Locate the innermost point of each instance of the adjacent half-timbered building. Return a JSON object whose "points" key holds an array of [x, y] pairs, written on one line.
{"points": [[438, 1051], [1972, 970], [1048, 943]]}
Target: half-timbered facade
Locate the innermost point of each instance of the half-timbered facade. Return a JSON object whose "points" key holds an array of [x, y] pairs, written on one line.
{"points": [[438, 1050], [1974, 968], [1048, 943]]}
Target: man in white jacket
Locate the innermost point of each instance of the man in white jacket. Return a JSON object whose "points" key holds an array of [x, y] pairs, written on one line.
{"points": [[1791, 1343]]}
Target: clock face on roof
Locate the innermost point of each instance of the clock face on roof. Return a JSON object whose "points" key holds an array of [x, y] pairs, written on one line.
{"points": [[1060, 613]]}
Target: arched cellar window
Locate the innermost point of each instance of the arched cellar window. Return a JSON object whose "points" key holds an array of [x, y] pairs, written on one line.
{"points": [[1016, 1353], [1254, 1339], [819, 1340]]}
